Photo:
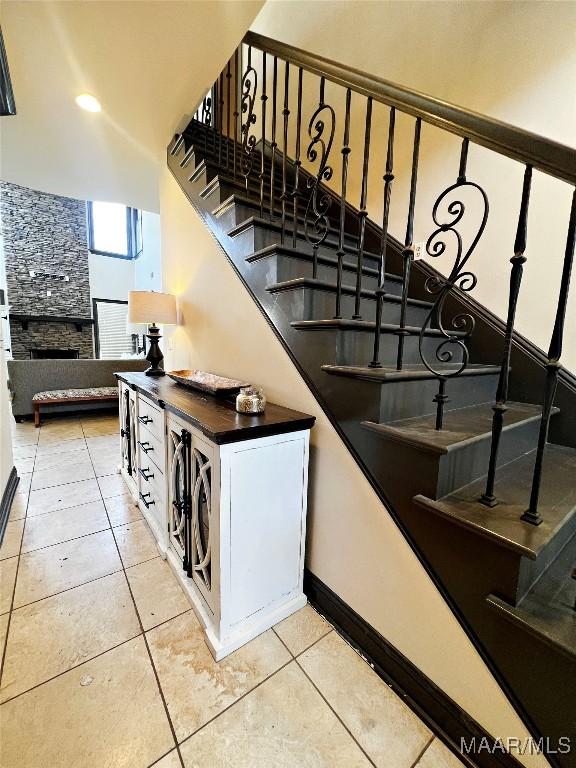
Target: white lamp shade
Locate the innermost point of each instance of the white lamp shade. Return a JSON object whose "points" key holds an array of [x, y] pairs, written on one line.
{"points": [[151, 307]]}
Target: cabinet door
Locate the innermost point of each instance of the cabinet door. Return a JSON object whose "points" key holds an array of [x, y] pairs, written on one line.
{"points": [[178, 487], [132, 433], [203, 519], [127, 431]]}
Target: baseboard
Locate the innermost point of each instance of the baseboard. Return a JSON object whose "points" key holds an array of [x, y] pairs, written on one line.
{"points": [[7, 499], [440, 713]]}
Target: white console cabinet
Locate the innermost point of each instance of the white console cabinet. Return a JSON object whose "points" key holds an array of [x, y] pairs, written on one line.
{"points": [[225, 496]]}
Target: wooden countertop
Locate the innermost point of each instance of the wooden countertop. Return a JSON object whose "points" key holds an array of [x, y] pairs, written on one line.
{"points": [[216, 417]]}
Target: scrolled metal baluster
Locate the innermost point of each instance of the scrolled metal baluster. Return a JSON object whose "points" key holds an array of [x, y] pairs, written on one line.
{"points": [[228, 108], [488, 498], [380, 292], [363, 212], [297, 162], [263, 100], [273, 144], [286, 115], [248, 98], [340, 253], [316, 222], [408, 251], [220, 115], [236, 112], [462, 325], [553, 366], [207, 117]]}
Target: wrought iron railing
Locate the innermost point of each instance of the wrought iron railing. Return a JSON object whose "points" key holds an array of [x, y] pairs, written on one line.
{"points": [[314, 214]]}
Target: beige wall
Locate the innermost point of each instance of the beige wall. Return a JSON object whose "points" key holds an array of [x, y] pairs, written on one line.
{"points": [[512, 61], [353, 545]]}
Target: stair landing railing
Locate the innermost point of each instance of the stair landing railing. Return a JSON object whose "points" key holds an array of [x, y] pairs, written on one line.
{"points": [[264, 166]]}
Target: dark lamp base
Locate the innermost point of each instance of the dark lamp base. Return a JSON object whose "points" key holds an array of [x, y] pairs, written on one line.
{"points": [[154, 356]]}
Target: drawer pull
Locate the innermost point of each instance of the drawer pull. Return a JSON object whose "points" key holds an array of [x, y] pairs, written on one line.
{"points": [[145, 419], [146, 503], [144, 475], [146, 447]]}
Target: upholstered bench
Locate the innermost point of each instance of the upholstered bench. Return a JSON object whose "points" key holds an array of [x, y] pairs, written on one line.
{"points": [[61, 396]]}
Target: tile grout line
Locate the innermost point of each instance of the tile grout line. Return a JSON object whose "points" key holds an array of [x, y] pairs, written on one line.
{"points": [[421, 755], [86, 661], [11, 609], [336, 715], [269, 677], [154, 670], [236, 701]]}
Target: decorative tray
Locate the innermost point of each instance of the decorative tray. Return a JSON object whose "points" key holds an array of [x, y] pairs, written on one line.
{"points": [[207, 382]]}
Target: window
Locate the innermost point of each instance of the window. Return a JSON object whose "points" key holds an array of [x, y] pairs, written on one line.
{"points": [[112, 339], [113, 230]]}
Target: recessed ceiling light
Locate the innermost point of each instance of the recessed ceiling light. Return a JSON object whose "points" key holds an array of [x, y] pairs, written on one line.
{"points": [[88, 102]]}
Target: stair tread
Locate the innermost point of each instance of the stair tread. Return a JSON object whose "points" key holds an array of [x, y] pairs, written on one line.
{"points": [[328, 285], [502, 523], [410, 373], [547, 610], [462, 426], [363, 325], [283, 250]]}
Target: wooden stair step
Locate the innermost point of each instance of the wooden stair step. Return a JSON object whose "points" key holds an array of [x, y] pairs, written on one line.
{"points": [[462, 426], [502, 523], [411, 373], [364, 326], [331, 261], [326, 285], [548, 610]]}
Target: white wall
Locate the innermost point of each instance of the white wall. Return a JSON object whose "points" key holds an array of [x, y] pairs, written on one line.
{"points": [[353, 544], [512, 61], [110, 278], [148, 266]]}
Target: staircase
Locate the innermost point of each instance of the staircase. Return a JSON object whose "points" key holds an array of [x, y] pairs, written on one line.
{"points": [[454, 447]]}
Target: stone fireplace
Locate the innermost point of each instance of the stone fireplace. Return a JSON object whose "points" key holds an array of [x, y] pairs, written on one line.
{"points": [[46, 255]]}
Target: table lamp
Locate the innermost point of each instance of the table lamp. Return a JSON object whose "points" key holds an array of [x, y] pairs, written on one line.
{"points": [[150, 307]]}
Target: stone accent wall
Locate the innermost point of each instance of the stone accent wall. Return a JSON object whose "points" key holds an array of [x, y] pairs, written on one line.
{"points": [[46, 233]]}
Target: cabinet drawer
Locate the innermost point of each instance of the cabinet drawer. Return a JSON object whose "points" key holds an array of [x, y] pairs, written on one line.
{"points": [[150, 448], [151, 417], [151, 495]]}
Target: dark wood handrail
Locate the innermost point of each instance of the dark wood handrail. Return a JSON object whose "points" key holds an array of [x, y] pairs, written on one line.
{"points": [[551, 157]]}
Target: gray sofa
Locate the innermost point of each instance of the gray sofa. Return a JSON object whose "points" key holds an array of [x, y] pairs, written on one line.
{"points": [[26, 377]]}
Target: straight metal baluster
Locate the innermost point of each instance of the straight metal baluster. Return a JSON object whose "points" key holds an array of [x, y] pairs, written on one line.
{"points": [[552, 369], [380, 292], [220, 115], [297, 162], [273, 143], [228, 110], [236, 111], [286, 114], [500, 406], [263, 100], [363, 212], [340, 253], [408, 251]]}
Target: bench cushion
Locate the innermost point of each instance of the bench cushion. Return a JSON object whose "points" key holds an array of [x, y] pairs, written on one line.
{"points": [[71, 394]]}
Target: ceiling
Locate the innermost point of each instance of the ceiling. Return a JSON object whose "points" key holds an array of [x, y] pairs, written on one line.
{"points": [[148, 63]]}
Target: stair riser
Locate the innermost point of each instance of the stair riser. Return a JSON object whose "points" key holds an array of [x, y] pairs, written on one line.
{"points": [[312, 304], [404, 399], [350, 347], [466, 464], [260, 237], [289, 268], [531, 570]]}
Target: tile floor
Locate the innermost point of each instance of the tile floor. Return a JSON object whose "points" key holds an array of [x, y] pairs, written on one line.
{"points": [[104, 664]]}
